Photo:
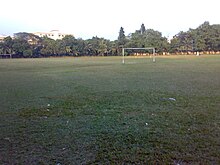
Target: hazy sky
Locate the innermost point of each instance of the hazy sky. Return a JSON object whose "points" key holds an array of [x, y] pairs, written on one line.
{"points": [[103, 18]]}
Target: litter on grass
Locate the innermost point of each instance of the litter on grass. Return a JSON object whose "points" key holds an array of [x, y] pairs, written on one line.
{"points": [[7, 138], [169, 99], [172, 99]]}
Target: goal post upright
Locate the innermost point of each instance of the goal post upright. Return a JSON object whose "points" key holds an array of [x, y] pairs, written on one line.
{"points": [[123, 55], [148, 48], [154, 60]]}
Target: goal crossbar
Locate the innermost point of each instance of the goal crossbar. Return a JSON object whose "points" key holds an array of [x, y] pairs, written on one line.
{"points": [[148, 48]]}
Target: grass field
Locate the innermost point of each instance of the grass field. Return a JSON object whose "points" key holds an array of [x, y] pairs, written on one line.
{"points": [[98, 111]]}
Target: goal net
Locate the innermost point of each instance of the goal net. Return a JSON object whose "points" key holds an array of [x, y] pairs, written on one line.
{"points": [[150, 51]]}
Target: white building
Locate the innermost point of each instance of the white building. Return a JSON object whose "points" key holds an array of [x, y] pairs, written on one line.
{"points": [[53, 34], [2, 37]]}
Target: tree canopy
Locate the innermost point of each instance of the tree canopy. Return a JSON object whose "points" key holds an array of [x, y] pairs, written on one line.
{"points": [[205, 37]]}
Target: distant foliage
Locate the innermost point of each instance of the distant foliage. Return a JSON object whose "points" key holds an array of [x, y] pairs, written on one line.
{"points": [[204, 38]]}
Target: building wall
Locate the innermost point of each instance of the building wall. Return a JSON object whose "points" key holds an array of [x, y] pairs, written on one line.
{"points": [[54, 34], [2, 38]]}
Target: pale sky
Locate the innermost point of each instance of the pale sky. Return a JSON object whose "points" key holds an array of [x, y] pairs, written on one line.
{"points": [[103, 18]]}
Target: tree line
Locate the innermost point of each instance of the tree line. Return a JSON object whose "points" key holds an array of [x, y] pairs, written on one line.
{"points": [[204, 38]]}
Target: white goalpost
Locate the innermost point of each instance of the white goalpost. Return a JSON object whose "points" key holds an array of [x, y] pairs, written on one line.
{"points": [[149, 48]]}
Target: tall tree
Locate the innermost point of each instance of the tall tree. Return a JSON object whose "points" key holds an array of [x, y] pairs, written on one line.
{"points": [[121, 37], [7, 45], [20, 46], [102, 47], [143, 29], [149, 38], [69, 44], [34, 41], [50, 47]]}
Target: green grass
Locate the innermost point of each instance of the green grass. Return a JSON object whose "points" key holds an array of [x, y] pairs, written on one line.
{"points": [[103, 112]]}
